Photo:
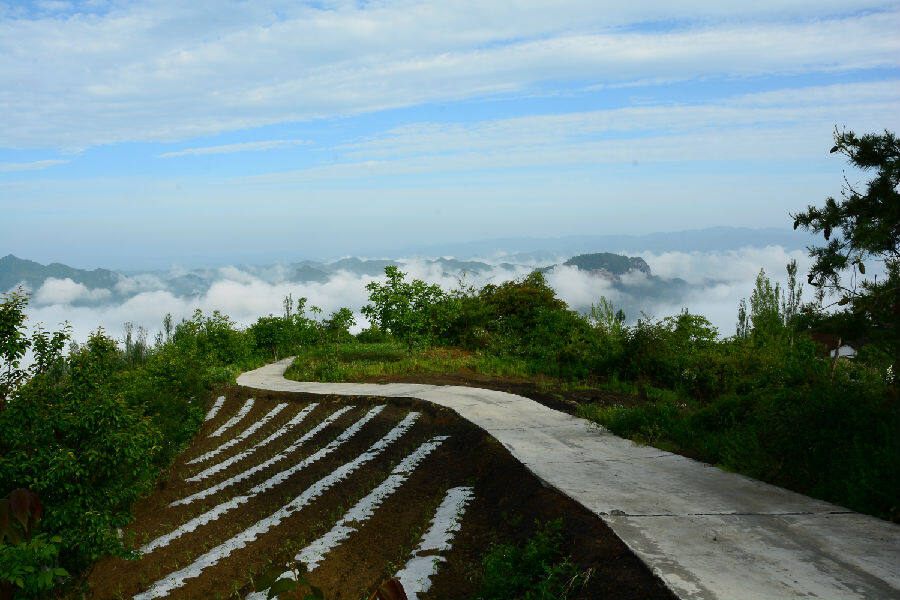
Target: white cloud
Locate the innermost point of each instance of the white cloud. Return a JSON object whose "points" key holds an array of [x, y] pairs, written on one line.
{"points": [[729, 266], [134, 284], [578, 288], [789, 123], [66, 291], [171, 71], [718, 280], [237, 294], [231, 273], [230, 148], [37, 165]]}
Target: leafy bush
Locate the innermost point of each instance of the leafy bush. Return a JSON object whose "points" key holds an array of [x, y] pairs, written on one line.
{"points": [[534, 571], [414, 312], [30, 568], [832, 440], [90, 431], [373, 335], [215, 338], [83, 449]]}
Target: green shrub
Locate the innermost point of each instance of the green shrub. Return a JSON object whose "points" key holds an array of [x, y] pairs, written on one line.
{"points": [[89, 432], [330, 370], [84, 449], [534, 571], [31, 568], [832, 440], [414, 312], [373, 335]]}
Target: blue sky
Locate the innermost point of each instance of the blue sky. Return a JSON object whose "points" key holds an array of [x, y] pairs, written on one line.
{"points": [[139, 134]]}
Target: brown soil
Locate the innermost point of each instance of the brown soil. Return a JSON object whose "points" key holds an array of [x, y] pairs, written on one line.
{"points": [[507, 503], [538, 389]]}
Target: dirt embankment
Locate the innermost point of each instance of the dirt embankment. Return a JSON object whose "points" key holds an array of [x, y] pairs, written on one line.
{"points": [[203, 545]]}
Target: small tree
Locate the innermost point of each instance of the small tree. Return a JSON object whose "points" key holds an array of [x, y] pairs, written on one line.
{"points": [[338, 325], [288, 304], [790, 304], [765, 309], [411, 311], [864, 226], [743, 320], [14, 342], [167, 326], [271, 334], [48, 348]]}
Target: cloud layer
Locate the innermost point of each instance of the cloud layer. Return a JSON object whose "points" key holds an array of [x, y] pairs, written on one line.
{"points": [[718, 280], [166, 71]]}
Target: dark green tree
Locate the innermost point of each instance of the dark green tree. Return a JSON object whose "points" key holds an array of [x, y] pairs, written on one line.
{"points": [[412, 311], [14, 343], [863, 227]]}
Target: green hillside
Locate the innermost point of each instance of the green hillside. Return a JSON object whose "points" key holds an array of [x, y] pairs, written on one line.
{"points": [[15, 270]]}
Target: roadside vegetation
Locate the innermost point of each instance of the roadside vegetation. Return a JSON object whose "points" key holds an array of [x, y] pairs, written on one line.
{"points": [[86, 429], [767, 401], [535, 570]]}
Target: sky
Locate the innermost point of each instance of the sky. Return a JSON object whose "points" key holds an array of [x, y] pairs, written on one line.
{"points": [[148, 134]]}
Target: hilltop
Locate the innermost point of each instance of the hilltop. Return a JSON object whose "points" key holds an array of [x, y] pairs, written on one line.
{"points": [[15, 271], [606, 264]]}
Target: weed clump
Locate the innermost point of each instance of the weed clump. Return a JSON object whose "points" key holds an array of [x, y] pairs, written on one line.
{"points": [[536, 570]]}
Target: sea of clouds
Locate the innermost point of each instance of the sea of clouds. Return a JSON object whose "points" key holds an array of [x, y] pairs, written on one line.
{"points": [[718, 280]]}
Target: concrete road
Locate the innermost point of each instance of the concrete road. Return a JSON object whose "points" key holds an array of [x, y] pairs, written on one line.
{"points": [[705, 532]]}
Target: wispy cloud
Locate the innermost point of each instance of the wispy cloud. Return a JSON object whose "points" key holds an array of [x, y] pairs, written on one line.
{"points": [[783, 124], [36, 165], [230, 148], [167, 71]]}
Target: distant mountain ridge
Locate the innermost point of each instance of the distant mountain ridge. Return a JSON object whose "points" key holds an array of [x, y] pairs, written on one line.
{"points": [[709, 239], [608, 264], [15, 270], [629, 278], [605, 264], [309, 271]]}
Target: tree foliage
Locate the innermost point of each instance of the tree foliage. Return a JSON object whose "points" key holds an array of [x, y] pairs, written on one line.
{"points": [[412, 311], [14, 343], [860, 228]]}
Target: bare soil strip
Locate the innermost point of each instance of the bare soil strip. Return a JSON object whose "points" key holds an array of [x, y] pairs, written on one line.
{"points": [[416, 575], [235, 419], [178, 579], [240, 437], [214, 410], [269, 483], [221, 466], [386, 502], [346, 435], [313, 554]]}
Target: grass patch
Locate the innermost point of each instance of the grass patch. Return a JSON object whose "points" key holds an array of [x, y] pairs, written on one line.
{"points": [[356, 361], [348, 362], [781, 437], [535, 570]]}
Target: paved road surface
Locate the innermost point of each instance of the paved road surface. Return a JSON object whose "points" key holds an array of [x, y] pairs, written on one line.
{"points": [[705, 532]]}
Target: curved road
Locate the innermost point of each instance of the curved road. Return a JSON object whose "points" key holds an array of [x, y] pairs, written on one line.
{"points": [[705, 532]]}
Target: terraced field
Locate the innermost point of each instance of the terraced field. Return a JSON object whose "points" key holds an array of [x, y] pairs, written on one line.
{"points": [[357, 490]]}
